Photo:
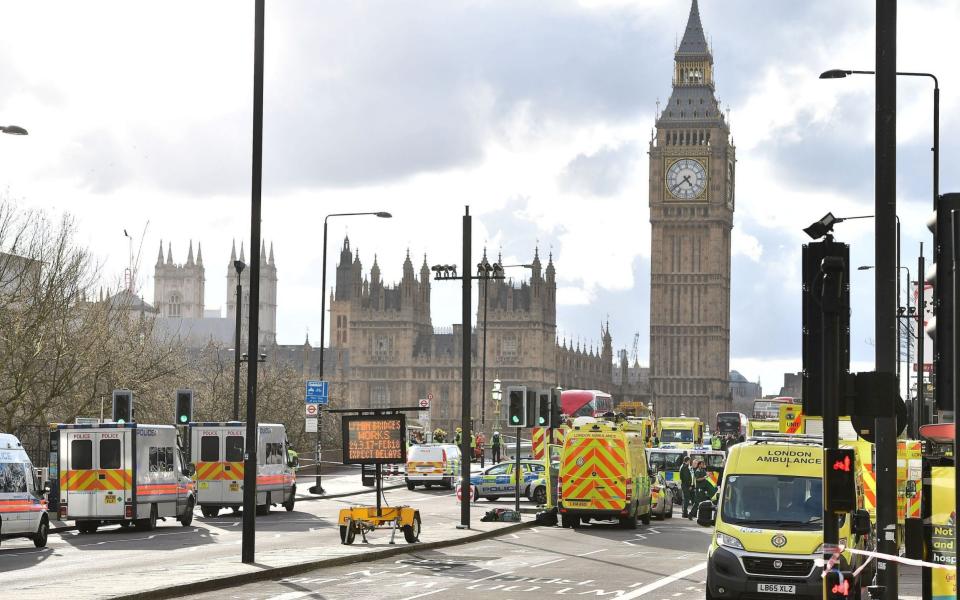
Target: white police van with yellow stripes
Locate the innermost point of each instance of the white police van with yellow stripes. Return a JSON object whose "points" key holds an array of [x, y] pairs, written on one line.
{"points": [[768, 535], [603, 473]]}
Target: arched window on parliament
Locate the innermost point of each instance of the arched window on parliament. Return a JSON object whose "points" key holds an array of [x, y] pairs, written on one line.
{"points": [[379, 397], [174, 309]]}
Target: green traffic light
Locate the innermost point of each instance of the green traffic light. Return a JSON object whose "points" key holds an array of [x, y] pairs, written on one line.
{"points": [[515, 419], [120, 421], [183, 418]]}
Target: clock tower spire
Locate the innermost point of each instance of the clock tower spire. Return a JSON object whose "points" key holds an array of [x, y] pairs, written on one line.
{"points": [[691, 200]]}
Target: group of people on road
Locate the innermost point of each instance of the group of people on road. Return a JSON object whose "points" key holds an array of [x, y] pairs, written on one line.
{"points": [[722, 442], [694, 486]]}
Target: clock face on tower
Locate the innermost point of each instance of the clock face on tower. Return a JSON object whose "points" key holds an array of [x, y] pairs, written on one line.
{"points": [[686, 179]]}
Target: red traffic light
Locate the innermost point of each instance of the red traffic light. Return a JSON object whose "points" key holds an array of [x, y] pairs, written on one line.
{"points": [[842, 465]]}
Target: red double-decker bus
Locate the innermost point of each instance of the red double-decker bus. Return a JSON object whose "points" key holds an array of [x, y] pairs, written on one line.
{"points": [[585, 403]]}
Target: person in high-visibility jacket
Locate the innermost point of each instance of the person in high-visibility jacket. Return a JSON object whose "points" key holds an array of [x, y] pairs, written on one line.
{"points": [[473, 447], [716, 443]]}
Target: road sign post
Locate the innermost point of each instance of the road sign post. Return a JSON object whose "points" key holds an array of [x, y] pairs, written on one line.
{"points": [[317, 396]]}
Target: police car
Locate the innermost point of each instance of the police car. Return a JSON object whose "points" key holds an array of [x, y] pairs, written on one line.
{"points": [[499, 480]]}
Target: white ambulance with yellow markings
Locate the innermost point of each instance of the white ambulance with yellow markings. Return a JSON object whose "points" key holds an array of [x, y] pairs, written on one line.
{"points": [[217, 450], [603, 473], [125, 473], [768, 536]]}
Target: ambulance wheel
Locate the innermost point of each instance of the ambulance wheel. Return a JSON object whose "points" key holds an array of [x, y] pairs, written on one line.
{"points": [[448, 483], [209, 511], [540, 495], [187, 517], [411, 532], [645, 517], [40, 537], [411, 485], [150, 523], [569, 521], [629, 521], [428, 485]]}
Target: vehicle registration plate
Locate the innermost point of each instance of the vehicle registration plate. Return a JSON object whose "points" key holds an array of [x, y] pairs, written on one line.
{"points": [[234, 487], [110, 499], [776, 588], [424, 468]]}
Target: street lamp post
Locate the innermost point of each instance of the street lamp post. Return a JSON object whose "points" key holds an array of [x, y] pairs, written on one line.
{"points": [[238, 265], [495, 395], [841, 73], [318, 487]]}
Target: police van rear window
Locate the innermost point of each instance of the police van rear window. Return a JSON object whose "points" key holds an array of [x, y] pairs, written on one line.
{"points": [[81, 454], [109, 454], [209, 449], [234, 448]]}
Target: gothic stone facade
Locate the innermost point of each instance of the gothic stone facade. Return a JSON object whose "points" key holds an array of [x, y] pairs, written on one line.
{"points": [[388, 353], [692, 160]]}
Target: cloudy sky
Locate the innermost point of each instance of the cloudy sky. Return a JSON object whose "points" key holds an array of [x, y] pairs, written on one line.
{"points": [[536, 114]]}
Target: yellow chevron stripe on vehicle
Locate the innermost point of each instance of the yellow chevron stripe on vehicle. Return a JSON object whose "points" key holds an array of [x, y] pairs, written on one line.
{"points": [[208, 471], [234, 473], [594, 474], [539, 442]]}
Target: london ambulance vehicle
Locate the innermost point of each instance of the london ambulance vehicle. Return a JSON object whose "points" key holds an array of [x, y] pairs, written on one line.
{"points": [[603, 473], [768, 532], [680, 432], [126, 473], [23, 511], [217, 450]]}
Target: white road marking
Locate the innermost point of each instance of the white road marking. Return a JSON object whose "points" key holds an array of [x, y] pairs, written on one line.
{"points": [[549, 562], [425, 594], [656, 585], [291, 595], [593, 552]]}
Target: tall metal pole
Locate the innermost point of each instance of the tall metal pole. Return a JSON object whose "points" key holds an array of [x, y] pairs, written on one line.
{"points": [[465, 390], [483, 374], [885, 209], [831, 304], [920, 409], [954, 365], [250, 447], [236, 349], [318, 486]]}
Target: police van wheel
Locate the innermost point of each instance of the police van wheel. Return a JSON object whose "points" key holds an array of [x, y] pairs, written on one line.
{"points": [[411, 532], [87, 527], [263, 509], [187, 517], [40, 538], [411, 485], [209, 511], [150, 523]]}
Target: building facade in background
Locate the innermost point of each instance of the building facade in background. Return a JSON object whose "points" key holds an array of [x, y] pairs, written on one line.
{"points": [[692, 166]]}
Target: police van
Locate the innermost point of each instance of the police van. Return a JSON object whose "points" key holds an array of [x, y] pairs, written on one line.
{"points": [[125, 473], [217, 450], [768, 536], [23, 511]]}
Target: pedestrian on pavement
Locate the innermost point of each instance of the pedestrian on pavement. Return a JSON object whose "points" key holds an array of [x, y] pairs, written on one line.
{"points": [[495, 446], [686, 487], [457, 437]]}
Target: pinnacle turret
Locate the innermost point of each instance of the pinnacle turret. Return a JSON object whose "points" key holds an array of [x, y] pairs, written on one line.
{"points": [[160, 255], [169, 253], [199, 255], [233, 251], [694, 42], [190, 255]]}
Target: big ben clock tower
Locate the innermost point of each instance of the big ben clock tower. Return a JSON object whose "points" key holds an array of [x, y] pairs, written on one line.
{"points": [[692, 166]]}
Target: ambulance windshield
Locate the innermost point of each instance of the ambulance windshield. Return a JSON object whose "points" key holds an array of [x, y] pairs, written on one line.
{"points": [[668, 436], [666, 461], [775, 500]]}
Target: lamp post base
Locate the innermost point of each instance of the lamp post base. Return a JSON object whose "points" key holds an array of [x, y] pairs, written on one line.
{"points": [[317, 490]]}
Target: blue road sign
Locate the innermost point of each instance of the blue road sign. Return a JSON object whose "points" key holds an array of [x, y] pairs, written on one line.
{"points": [[318, 392]]}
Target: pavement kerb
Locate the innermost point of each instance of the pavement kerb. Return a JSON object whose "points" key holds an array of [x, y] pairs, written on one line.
{"points": [[229, 581], [307, 498]]}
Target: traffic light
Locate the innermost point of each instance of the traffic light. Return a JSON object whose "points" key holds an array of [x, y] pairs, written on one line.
{"points": [[940, 277], [543, 408], [556, 416], [841, 480], [839, 585], [517, 406], [184, 407], [123, 406], [812, 345], [531, 407]]}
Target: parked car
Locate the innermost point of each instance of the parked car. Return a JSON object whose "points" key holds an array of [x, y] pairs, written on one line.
{"points": [[662, 498], [432, 464], [499, 480]]}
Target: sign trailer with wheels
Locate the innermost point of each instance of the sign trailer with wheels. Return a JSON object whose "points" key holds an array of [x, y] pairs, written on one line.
{"points": [[376, 436]]}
